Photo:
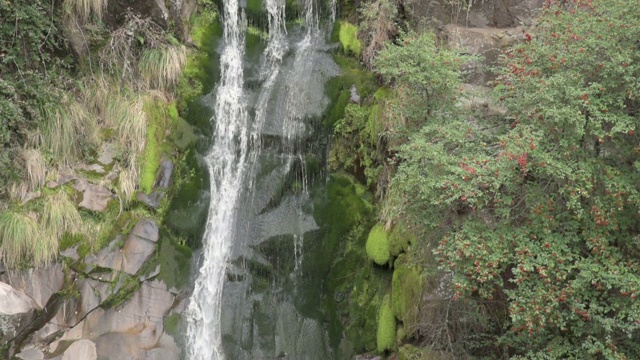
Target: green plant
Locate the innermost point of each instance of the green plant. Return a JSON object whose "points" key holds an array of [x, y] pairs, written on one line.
{"points": [[386, 334], [378, 27], [537, 211], [348, 35], [378, 245]]}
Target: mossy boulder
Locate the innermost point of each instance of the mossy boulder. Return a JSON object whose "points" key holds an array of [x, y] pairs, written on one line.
{"points": [[407, 286], [386, 335], [399, 240], [348, 36], [377, 246]]}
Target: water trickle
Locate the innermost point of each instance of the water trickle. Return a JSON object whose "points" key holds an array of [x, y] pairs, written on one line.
{"points": [[226, 164]]}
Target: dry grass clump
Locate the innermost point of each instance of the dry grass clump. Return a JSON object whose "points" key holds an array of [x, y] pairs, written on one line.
{"points": [[161, 67], [83, 9], [66, 130], [22, 240], [36, 168], [60, 215]]}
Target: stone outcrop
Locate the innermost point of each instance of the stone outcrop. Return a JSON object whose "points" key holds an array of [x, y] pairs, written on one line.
{"points": [[94, 197], [113, 313]]}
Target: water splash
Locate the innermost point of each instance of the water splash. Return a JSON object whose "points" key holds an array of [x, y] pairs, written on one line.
{"points": [[226, 162]]}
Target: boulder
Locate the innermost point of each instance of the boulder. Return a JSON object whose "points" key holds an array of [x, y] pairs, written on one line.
{"points": [[82, 349], [163, 177], [137, 248], [31, 354], [17, 311], [38, 284], [94, 197]]}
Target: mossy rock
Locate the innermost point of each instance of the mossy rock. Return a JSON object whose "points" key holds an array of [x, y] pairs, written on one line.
{"points": [[399, 240], [386, 334], [174, 258], [182, 134], [348, 36], [378, 245], [407, 287]]}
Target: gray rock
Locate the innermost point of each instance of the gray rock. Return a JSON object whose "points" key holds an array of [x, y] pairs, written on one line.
{"points": [[166, 350], [119, 346], [17, 311], [96, 168], [14, 302], [137, 248], [355, 97], [61, 180], [163, 178], [94, 197], [71, 253], [152, 200], [146, 229], [31, 354], [142, 314], [38, 284], [82, 349], [107, 153]]}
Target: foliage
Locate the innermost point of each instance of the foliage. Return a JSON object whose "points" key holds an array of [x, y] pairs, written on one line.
{"points": [[406, 295], [539, 211], [425, 78], [378, 245], [386, 334], [348, 36], [378, 27]]}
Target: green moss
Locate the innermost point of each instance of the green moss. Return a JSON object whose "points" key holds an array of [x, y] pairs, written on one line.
{"points": [[182, 134], [386, 334], [407, 288], [174, 258], [202, 68], [254, 6], [399, 240], [348, 36], [172, 324], [378, 245]]}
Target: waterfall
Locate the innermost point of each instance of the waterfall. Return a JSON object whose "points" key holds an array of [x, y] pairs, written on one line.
{"points": [[226, 164]]}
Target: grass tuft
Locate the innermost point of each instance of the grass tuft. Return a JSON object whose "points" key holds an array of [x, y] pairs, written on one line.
{"points": [[67, 130], [60, 216], [83, 9], [21, 240], [36, 168], [161, 67]]}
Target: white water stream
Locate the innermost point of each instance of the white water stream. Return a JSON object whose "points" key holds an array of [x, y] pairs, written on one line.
{"points": [[237, 144], [226, 163]]}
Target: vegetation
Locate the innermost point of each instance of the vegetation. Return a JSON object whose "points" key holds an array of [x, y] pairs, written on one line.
{"points": [[348, 36], [535, 213], [386, 336], [378, 245]]}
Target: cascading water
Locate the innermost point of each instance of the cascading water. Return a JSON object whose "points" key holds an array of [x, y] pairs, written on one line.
{"points": [[260, 198], [226, 164]]}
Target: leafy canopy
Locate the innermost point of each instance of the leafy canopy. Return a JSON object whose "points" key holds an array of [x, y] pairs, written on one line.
{"points": [[538, 210]]}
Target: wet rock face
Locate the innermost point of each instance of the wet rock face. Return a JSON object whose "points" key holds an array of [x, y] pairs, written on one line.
{"points": [[483, 13]]}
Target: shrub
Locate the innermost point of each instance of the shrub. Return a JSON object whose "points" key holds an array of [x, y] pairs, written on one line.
{"points": [[378, 245], [386, 334]]}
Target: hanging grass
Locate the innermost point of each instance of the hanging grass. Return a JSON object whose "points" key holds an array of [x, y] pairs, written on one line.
{"points": [[36, 168], [66, 130], [60, 215], [161, 67], [22, 241], [83, 9]]}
